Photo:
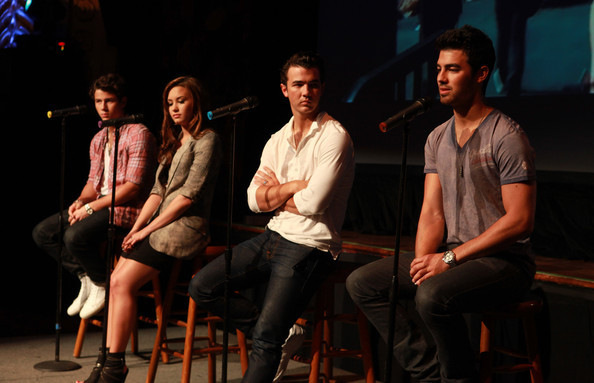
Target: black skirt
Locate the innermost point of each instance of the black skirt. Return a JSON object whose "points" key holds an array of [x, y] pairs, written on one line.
{"points": [[146, 255]]}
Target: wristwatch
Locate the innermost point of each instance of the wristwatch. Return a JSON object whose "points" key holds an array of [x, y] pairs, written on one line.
{"points": [[89, 209], [449, 258]]}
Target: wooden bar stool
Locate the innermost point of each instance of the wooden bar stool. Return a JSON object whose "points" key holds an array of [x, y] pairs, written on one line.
{"points": [[189, 318], [526, 312], [323, 349]]}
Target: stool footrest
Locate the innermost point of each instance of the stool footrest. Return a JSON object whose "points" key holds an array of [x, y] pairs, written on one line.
{"points": [[513, 369], [342, 353], [510, 352]]}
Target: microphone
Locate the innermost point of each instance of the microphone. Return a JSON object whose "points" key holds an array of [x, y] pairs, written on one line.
{"points": [[79, 109], [117, 122], [231, 109], [408, 114]]}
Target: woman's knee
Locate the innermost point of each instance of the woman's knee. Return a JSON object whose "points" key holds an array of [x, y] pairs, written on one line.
{"points": [[122, 282], [116, 284]]}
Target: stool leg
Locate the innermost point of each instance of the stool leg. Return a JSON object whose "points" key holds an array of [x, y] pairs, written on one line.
{"points": [[365, 347], [532, 349], [328, 333], [212, 358], [162, 312], [486, 349], [316, 345], [152, 371], [158, 298], [189, 342], [80, 337], [243, 351]]}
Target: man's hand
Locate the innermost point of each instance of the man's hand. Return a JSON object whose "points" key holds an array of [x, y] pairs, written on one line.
{"points": [[426, 266], [266, 177], [77, 215], [74, 207]]}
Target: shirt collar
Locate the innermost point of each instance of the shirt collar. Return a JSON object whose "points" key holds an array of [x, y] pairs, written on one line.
{"points": [[315, 127]]}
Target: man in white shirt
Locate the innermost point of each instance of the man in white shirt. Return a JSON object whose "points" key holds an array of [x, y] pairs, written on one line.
{"points": [[305, 176]]}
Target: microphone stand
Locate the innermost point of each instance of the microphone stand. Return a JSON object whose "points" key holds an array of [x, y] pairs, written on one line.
{"points": [[228, 252], [394, 287], [111, 231], [57, 364]]}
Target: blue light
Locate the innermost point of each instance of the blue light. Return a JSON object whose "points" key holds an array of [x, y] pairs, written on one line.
{"points": [[17, 22]]}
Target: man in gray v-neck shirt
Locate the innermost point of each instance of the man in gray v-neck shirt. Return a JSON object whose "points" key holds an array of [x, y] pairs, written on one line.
{"points": [[480, 194]]}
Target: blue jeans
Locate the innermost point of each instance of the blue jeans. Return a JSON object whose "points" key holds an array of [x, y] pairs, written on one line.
{"points": [[431, 339], [294, 273]]}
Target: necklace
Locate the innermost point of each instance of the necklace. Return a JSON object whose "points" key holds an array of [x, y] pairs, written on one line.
{"points": [[463, 139], [467, 133]]}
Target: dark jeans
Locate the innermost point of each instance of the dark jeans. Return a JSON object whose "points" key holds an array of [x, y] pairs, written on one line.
{"points": [[81, 243], [431, 341], [294, 273]]}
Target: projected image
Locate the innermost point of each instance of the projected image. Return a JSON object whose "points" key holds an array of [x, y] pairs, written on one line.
{"points": [[543, 46]]}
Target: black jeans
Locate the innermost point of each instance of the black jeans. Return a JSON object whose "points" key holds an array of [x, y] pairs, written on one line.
{"points": [[293, 273], [81, 243], [431, 341]]}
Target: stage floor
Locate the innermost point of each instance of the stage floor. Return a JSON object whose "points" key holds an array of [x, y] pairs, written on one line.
{"points": [[19, 355]]}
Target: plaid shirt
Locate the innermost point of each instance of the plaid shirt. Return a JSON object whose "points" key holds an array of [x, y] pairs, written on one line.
{"points": [[136, 163]]}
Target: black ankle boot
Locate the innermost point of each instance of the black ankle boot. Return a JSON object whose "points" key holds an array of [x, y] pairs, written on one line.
{"points": [[114, 370], [96, 371]]}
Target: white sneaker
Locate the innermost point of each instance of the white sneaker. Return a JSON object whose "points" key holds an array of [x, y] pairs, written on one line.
{"points": [[292, 344], [83, 294], [95, 302]]}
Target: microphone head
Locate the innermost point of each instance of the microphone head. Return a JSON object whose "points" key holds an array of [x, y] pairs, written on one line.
{"points": [[138, 117], [252, 101], [132, 119], [425, 102], [79, 109], [209, 115]]}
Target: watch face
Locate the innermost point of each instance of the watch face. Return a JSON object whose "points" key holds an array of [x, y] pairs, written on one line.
{"points": [[448, 257]]}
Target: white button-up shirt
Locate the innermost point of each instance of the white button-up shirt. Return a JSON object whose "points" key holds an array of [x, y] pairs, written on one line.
{"points": [[325, 158]]}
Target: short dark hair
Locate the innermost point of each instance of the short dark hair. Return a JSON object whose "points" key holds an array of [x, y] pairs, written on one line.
{"points": [[112, 83], [304, 59], [474, 42]]}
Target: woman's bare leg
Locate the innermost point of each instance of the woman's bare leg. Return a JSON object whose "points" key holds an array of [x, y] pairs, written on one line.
{"points": [[128, 277]]}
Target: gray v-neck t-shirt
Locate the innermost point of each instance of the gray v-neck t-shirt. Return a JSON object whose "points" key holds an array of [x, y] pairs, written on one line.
{"points": [[471, 176]]}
